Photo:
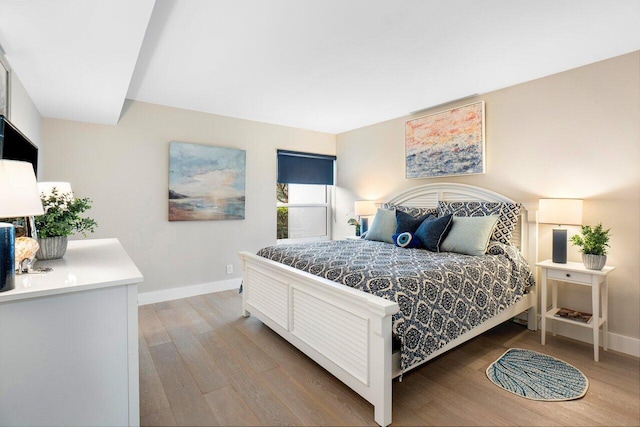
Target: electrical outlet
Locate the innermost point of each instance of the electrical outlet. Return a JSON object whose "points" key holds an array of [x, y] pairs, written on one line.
{"points": [[229, 268]]}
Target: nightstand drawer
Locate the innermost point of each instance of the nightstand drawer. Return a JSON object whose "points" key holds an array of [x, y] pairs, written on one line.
{"points": [[569, 275]]}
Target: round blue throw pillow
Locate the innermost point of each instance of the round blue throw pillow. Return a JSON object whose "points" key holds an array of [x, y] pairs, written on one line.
{"points": [[406, 240]]}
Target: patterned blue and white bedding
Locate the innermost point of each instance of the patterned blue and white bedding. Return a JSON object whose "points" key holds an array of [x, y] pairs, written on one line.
{"points": [[441, 295]]}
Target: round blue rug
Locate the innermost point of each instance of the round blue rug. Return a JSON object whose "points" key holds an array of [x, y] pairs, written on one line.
{"points": [[537, 376]]}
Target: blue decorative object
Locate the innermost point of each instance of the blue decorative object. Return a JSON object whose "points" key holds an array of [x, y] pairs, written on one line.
{"points": [[406, 240], [7, 257], [364, 226], [537, 376]]}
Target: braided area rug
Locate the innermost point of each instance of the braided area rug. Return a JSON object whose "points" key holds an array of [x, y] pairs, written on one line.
{"points": [[537, 376]]}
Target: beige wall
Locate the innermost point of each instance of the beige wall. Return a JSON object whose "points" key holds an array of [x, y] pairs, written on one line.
{"points": [[573, 134], [124, 170]]}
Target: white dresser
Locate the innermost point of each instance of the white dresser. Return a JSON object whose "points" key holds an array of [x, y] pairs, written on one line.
{"points": [[69, 341]]}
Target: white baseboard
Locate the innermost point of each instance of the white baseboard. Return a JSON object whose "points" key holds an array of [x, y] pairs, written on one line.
{"points": [[187, 291], [620, 343], [624, 344]]}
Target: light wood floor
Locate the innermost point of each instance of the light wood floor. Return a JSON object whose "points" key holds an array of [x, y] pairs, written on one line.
{"points": [[201, 363]]}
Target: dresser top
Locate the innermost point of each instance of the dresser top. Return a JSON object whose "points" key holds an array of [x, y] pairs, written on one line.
{"points": [[87, 264]]}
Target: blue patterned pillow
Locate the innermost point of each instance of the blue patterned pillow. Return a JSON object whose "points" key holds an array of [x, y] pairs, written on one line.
{"points": [[508, 214], [433, 231], [406, 222]]}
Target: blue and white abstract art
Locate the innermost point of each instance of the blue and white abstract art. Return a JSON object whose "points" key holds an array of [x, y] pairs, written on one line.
{"points": [[206, 182]]}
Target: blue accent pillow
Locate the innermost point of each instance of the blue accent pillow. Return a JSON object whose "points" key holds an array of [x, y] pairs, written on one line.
{"points": [[406, 222], [432, 232], [406, 240]]}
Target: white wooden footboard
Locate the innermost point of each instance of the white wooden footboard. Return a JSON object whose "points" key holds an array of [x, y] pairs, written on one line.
{"points": [[346, 331]]}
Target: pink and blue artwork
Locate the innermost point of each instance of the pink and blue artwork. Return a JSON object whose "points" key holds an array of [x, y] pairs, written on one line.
{"points": [[446, 143]]}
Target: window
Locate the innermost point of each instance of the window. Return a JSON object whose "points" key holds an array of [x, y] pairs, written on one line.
{"points": [[303, 194]]}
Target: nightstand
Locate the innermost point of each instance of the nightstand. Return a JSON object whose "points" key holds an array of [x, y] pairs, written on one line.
{"points": [[576, 273]]}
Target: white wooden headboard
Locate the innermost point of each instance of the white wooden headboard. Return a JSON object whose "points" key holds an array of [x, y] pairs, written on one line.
{"points": [[428, 196]]}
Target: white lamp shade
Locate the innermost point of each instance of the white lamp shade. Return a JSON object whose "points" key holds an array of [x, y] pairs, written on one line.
{"points": [[18, 190], [63, 188], [560, 211], [365, 208]]}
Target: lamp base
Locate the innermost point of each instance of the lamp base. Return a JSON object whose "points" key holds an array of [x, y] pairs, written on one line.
{"points": [[364, 224], [559, 254], [7, 257]]}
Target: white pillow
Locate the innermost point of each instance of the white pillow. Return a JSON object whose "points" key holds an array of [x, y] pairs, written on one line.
{"points": [[470, 235], [383, 226]]}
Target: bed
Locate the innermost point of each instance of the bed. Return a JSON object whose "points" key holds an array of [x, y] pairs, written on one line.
{"points": [[352, 333]]}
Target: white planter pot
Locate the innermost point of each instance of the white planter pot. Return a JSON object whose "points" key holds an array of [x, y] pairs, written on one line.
{"points": [[52, 247], [594, 262]]}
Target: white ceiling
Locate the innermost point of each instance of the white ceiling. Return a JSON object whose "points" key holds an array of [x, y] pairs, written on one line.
{"points": [[74, 58], [327, 65]]}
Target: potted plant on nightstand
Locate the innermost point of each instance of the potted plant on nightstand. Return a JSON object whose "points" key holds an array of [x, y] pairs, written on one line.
{"points": [[61, 219], [353, 221], [593, 243]]}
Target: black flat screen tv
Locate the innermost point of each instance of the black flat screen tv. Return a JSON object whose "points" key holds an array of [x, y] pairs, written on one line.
{"points": [[15, 146]]}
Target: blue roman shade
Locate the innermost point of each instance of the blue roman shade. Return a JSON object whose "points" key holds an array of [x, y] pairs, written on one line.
{"points": [[305, 168]]}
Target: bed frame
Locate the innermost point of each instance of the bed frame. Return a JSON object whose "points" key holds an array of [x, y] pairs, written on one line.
{"points": [[348, 332]]}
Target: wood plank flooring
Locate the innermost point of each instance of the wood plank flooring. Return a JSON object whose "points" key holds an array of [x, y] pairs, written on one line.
{"points": [[201, 363]]}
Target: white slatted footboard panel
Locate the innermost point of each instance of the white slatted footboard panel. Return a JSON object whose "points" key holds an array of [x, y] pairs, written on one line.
{"points": [[346, 331], [268, 295], [339, 335]]}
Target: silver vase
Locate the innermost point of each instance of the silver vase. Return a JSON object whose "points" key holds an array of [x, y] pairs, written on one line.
{"points": [[52, 247], [594, 262]]}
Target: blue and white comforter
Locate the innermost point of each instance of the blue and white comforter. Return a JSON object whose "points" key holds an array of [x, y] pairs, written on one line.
{"points": [[441, 295]]}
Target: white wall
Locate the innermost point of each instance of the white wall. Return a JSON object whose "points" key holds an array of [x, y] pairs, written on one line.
{"points": [[573, 134], [124, 170]]}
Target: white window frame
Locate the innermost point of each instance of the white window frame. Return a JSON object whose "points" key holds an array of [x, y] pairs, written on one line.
{"points": [[329, 207]]}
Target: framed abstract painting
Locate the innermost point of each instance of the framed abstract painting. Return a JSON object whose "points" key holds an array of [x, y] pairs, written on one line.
{"points": [[446, 143], [206, 182]]}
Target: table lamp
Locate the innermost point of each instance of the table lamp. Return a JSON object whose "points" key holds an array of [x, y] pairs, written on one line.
{"points": [[62, 189], [46, 188], [364, 209], [560, 212], [19, 197]]}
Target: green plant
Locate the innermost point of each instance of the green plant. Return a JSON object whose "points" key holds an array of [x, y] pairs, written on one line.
{"points": [[282, 230], [62, 215], [353, 221], [592, 240]]}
